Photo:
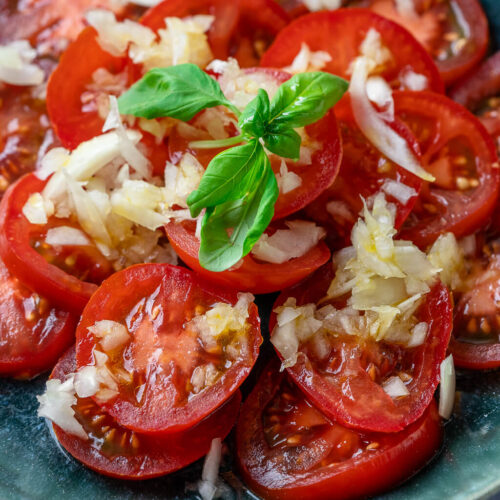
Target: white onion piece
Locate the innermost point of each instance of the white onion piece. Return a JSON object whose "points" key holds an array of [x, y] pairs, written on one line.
{"points": [[399, 191], [37, 210], [65, 235], [447, 387], [379, 92], [86, 382], [208, 484], [110, 333], [395, 388], [315, 5], [16, 67], [413, 81]]}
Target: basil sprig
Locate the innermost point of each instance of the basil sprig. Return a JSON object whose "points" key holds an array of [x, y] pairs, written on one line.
{"points": [[239, 189]]}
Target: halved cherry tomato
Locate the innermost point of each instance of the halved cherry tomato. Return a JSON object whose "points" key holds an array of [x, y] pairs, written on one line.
{"points": [[33, 334], [252, 275], [171, 374], [454, 32], [288, 450], [480, 94], [363, 172], [346, 383], [461, 155], [475, 343], [350, 27], [115, 451], [59, 274]]}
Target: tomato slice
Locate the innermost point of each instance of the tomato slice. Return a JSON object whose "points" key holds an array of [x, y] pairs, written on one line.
{"points": [[252, 275], [159, 367], [475, 343], [458, 151], [115, 451], [56, 273], [33, 334], [288, 450], [346, 383], [364, 172], [454, 32], [350, 27]]}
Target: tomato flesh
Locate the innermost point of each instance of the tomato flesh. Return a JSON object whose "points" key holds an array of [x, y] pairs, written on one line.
{"points": [[115, 451], [288, 449], [157, 369]]}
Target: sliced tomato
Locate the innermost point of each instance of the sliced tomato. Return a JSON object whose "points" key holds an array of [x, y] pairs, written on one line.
{"points": [[454, 32], [64, 275], [364, 172], [461, 155], [346, 384], [170, 374], [287, 449], [350, 27], [252, 275], [33, 334], [115, 451], [475, 343]]}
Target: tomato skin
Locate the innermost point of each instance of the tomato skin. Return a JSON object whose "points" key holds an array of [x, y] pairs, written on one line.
{"points": [[252, 276], [367, 406], [475, 357], [397, 457], [154, 455], [33, 334], [350, 27], [440, 125], [25, 263], [162, 410]]}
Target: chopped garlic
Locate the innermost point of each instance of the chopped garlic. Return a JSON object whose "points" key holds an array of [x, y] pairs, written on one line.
{"points": [[449, 257], [395, 388], [287, 181], [110, 333], [16, 64], [401, 192], [413, 81], [307, 60], [66, 235], [37, 210]]}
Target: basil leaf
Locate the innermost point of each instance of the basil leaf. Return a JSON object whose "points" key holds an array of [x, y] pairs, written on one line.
{"points": [[255, 116], [177, 91], [229, 231], [306, 98], [226, 177], [284, 142]]}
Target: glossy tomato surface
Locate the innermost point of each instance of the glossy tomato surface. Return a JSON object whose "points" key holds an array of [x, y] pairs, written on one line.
{"points": [[346, 384], [287, 449], [58, 273], [115, 451], [170, 373], [350, 27], [461, 155], [251, 275], [33, 334]]}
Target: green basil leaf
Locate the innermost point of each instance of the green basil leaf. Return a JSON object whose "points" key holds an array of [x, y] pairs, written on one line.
{"points": [[180, 92], [229, 231], [306, 98], [255, 116], [284, 142], [226, 177]]}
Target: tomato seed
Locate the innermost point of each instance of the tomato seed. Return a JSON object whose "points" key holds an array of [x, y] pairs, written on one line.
{"points": [[294, 440], [472, 325], [485, 326], [373, 446]]}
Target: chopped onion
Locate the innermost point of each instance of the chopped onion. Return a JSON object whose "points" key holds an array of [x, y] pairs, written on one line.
{"points": [[406, 8], [395, 388], [65, 235], [86, 382], [16, 66], [447, 387], [419, 334], [399, 191], [315, 5], [413, 81], [37, 210], [208, 484], [306, 60], [287, 181], [110, 333], [379, 92]]}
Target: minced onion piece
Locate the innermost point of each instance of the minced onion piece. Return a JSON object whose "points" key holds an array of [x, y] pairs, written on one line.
{"points": [[16, 66], [110, 333], [208, 484], [306, 60], [447, 387], [86, 382], [66, 236], [395, 388], [398, 190], [379, 92]]}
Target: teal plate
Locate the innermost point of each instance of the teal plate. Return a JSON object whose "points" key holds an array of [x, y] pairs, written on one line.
{"points": [[32, 466]]}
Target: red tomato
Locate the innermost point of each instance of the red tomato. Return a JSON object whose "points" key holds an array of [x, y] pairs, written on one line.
{"points": [[346, 384], [295, 8], [56, 273], [350, 27], [454, 32], [252, 275], [115, 451], [480, 93], [33, 334], [363, 172], [460, 154], [158, 388], [288, 450], [475, 343]]}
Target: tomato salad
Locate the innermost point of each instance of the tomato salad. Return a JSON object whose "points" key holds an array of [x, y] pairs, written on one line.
{"points": [[161, 166]]}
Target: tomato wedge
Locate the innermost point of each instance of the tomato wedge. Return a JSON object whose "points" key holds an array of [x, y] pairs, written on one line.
{"points": [[346, 383], [65, 275], [115, 451], [460, 154], [350, 27], [252, 275], [170, 372], [454, 32], [288, 450], [33, 334], [364, 172]]}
